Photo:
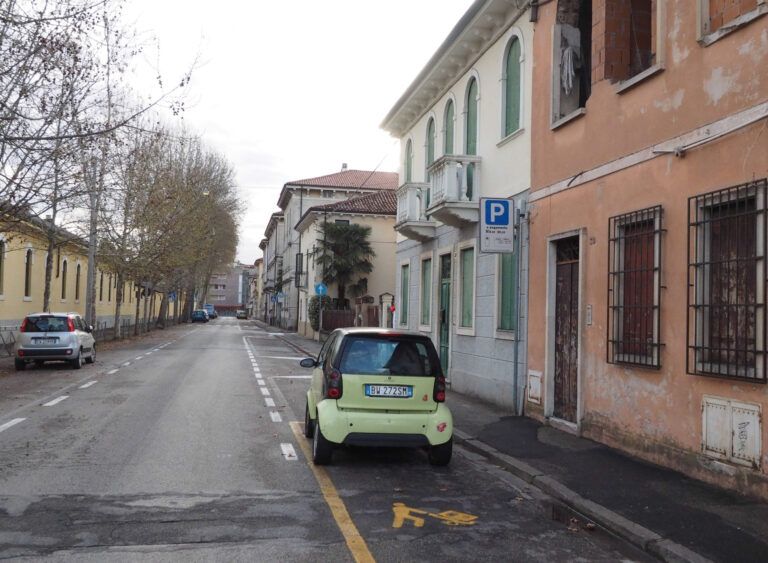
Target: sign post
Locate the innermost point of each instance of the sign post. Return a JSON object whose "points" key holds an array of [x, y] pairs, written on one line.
{"points": [[497, 225], [321, 290]]}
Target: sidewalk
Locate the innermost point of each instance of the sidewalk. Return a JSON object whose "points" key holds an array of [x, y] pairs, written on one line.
{"points": [[659, 510]]}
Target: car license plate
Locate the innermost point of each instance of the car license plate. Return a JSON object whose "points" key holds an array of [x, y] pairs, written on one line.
{"points": [[405, 391], [45, 340]]}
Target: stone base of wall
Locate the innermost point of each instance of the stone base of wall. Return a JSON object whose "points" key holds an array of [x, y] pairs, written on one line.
{"points": [[673, 456], [497, 392]]}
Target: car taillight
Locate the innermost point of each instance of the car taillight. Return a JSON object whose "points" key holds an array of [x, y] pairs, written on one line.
{"points": [[23, 325], [335, 385], [439, 392], [70, 325]]}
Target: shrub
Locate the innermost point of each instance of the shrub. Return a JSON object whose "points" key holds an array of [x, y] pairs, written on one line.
{"points": [[314, 309]]}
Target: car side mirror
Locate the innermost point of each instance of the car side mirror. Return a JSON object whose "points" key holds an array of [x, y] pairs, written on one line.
{"points": [[90, 328], [308, 363]]}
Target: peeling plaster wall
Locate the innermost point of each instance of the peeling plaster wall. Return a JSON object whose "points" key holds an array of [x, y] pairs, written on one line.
{"points": [[656, 414]]}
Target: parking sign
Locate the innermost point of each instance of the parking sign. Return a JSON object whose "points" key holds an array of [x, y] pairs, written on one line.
{"points": [[497, 229]]}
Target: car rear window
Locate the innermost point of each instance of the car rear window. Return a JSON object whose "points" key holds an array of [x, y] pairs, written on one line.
{"points": [[389, 356], [46, 324]]}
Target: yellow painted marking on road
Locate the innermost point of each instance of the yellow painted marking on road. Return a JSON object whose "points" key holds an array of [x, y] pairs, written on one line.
{"points": [[449, 517], [355, 541]]}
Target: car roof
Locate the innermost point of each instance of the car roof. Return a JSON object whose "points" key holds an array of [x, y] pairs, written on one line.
{"points": [[53, 314], [383, 331]]}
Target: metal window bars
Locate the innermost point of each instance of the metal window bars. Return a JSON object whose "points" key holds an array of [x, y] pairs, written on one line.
{"points": [[725, 326], [634, 288]]}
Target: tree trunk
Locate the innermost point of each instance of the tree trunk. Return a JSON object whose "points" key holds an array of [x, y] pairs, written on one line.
{"points": [[138, 312], [118, 305], [48, 273], [160, 322], [146, 307]]}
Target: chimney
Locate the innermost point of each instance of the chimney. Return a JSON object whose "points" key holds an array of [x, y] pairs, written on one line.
{"points": [[343, 166]]}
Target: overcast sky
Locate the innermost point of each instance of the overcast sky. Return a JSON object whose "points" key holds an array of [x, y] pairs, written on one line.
{"points": [[292, 89]]}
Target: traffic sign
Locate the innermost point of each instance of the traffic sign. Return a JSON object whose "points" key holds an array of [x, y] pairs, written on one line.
{"points": [[321, 289], [272, 298], [497, 228]]}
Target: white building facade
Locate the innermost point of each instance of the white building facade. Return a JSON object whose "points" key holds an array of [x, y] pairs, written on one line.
{"points": [[464, 127]]}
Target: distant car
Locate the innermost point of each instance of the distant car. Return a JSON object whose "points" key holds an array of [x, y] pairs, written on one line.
{"points": [[242, 315], [377, 387], [55, 336], [211, 310], [199, 316]]}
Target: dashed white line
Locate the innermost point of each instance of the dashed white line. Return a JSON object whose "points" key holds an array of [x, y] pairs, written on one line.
{"points": [[139, 357], [112, 371], [288, 452], [87, 385], [264, 391], [13, 422], [261, 382], [56, 401], [126, 364], [275, 416], [269, 401]]}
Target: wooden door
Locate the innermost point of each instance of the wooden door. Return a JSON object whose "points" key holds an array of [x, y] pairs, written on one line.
{"points": [[566, 329]]}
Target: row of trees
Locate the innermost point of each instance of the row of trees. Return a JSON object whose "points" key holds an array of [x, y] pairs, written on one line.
{"points": [[79, 145]]}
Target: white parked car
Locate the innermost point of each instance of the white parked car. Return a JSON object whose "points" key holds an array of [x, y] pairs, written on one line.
{"points": [[55, 336]]}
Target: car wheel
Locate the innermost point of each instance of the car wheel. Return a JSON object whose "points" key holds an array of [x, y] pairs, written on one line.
{"points": [[441, 454], [92, 358], [308, 428], [322, 449], [19, 364], [77, 363]]}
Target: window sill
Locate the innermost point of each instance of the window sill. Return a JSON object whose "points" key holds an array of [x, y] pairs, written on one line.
{"points": [[504, 334], [635, 361], [425, 328], [568, 118], [707, 39], [630, 83], [511, 136], [27, 299], [465, 330]]}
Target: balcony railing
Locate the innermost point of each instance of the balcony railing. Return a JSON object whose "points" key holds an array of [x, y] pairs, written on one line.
{"points": [[412, 202]]}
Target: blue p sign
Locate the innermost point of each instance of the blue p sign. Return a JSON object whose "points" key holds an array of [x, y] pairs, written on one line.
{"points": [[497, 212]]}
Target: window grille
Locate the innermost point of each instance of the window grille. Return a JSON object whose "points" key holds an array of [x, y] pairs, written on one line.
{"points": [[726, 283], [634, 288]]}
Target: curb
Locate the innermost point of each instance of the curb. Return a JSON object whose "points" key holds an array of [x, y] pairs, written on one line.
{"points": [[639, 536]]}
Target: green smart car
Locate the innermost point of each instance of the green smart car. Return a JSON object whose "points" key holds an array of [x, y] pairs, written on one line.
{"points": [[377, 387]]}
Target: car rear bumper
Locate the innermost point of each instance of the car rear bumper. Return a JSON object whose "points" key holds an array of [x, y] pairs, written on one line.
{"points": [[46, 353], [385, 428]]}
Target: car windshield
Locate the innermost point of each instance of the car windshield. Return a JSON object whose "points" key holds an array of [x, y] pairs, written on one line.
{"points": [[46, 324], [383, 355]]}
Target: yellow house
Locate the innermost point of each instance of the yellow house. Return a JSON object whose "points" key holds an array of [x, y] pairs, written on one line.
{"points": [[376, 210]]}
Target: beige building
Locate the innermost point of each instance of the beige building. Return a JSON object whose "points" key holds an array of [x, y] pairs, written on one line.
{"points": [[375, 210]]}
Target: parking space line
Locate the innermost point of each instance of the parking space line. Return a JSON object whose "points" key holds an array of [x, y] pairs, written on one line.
{"points": [[13, 422], [275, 416], [126, 364], [56, 401], [112, 371], [355, 542], [269, 401], [264, 391], [87, 385], [261, 381], [288, 452]]}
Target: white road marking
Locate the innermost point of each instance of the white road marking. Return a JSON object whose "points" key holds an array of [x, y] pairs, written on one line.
{"points": [[291, 377], [261, 382], [139, 357], [275, 416], [110, 372], [269, 402], [126, 364], [87, 385], [13, 422], [56, 401], [264, 391], [288, 452], [283, 357]]}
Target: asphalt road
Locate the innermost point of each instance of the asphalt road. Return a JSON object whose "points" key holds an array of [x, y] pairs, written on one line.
{"points": [[186, 447]]}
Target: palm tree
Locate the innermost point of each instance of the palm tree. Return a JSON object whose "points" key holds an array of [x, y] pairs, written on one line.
{"points": [[345, 255]]}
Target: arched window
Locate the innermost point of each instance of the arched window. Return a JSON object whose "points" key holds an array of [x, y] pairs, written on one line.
{"points": [[450, 118], [77, 283], [511, 80], [470, 137], [408, 161], [64, 280], [430, 155], [28, 273]]}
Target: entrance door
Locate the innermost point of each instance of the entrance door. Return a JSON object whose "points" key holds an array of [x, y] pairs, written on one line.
{"points": [[445, 310], [566, 329]]}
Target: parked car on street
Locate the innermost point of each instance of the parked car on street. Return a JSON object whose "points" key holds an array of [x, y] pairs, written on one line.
{"points": [[54, 336], [211, 310], [199, 316], [241, 314], [377, 387]]}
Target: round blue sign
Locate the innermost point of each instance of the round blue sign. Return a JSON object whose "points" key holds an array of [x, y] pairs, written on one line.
{"points": [[272, 298], [320, 289]]}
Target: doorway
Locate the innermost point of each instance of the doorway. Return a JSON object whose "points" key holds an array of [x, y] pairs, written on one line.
{"points": [[566, 341]]}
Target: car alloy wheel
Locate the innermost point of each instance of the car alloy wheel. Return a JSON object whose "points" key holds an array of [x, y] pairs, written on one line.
{"points": [[77, 363], [92, 358]]}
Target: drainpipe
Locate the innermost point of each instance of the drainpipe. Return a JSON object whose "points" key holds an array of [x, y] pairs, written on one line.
{"points": [[519, 214], [535, 9]]}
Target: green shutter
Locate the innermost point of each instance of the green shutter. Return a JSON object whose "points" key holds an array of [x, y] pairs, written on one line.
{"points": [[430, 144], [426, 291], [408, 161], [404, 295], [449, 119], [471, 132], [512, 90], [467, 285], [508, 290]]}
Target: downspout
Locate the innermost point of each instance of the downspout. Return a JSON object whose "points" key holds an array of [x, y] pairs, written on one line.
{"points": [[519, 215], [535, 9], [298, 280]]}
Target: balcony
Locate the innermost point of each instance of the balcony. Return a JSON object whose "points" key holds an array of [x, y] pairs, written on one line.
{"points": [[300, 279], [455, 181], [412, 221]]}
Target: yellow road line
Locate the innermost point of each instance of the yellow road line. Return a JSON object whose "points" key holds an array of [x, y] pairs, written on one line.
{"points": [[355, 541]]}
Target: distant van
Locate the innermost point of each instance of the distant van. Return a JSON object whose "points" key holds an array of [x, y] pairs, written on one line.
{"points": [[211, 310]]}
